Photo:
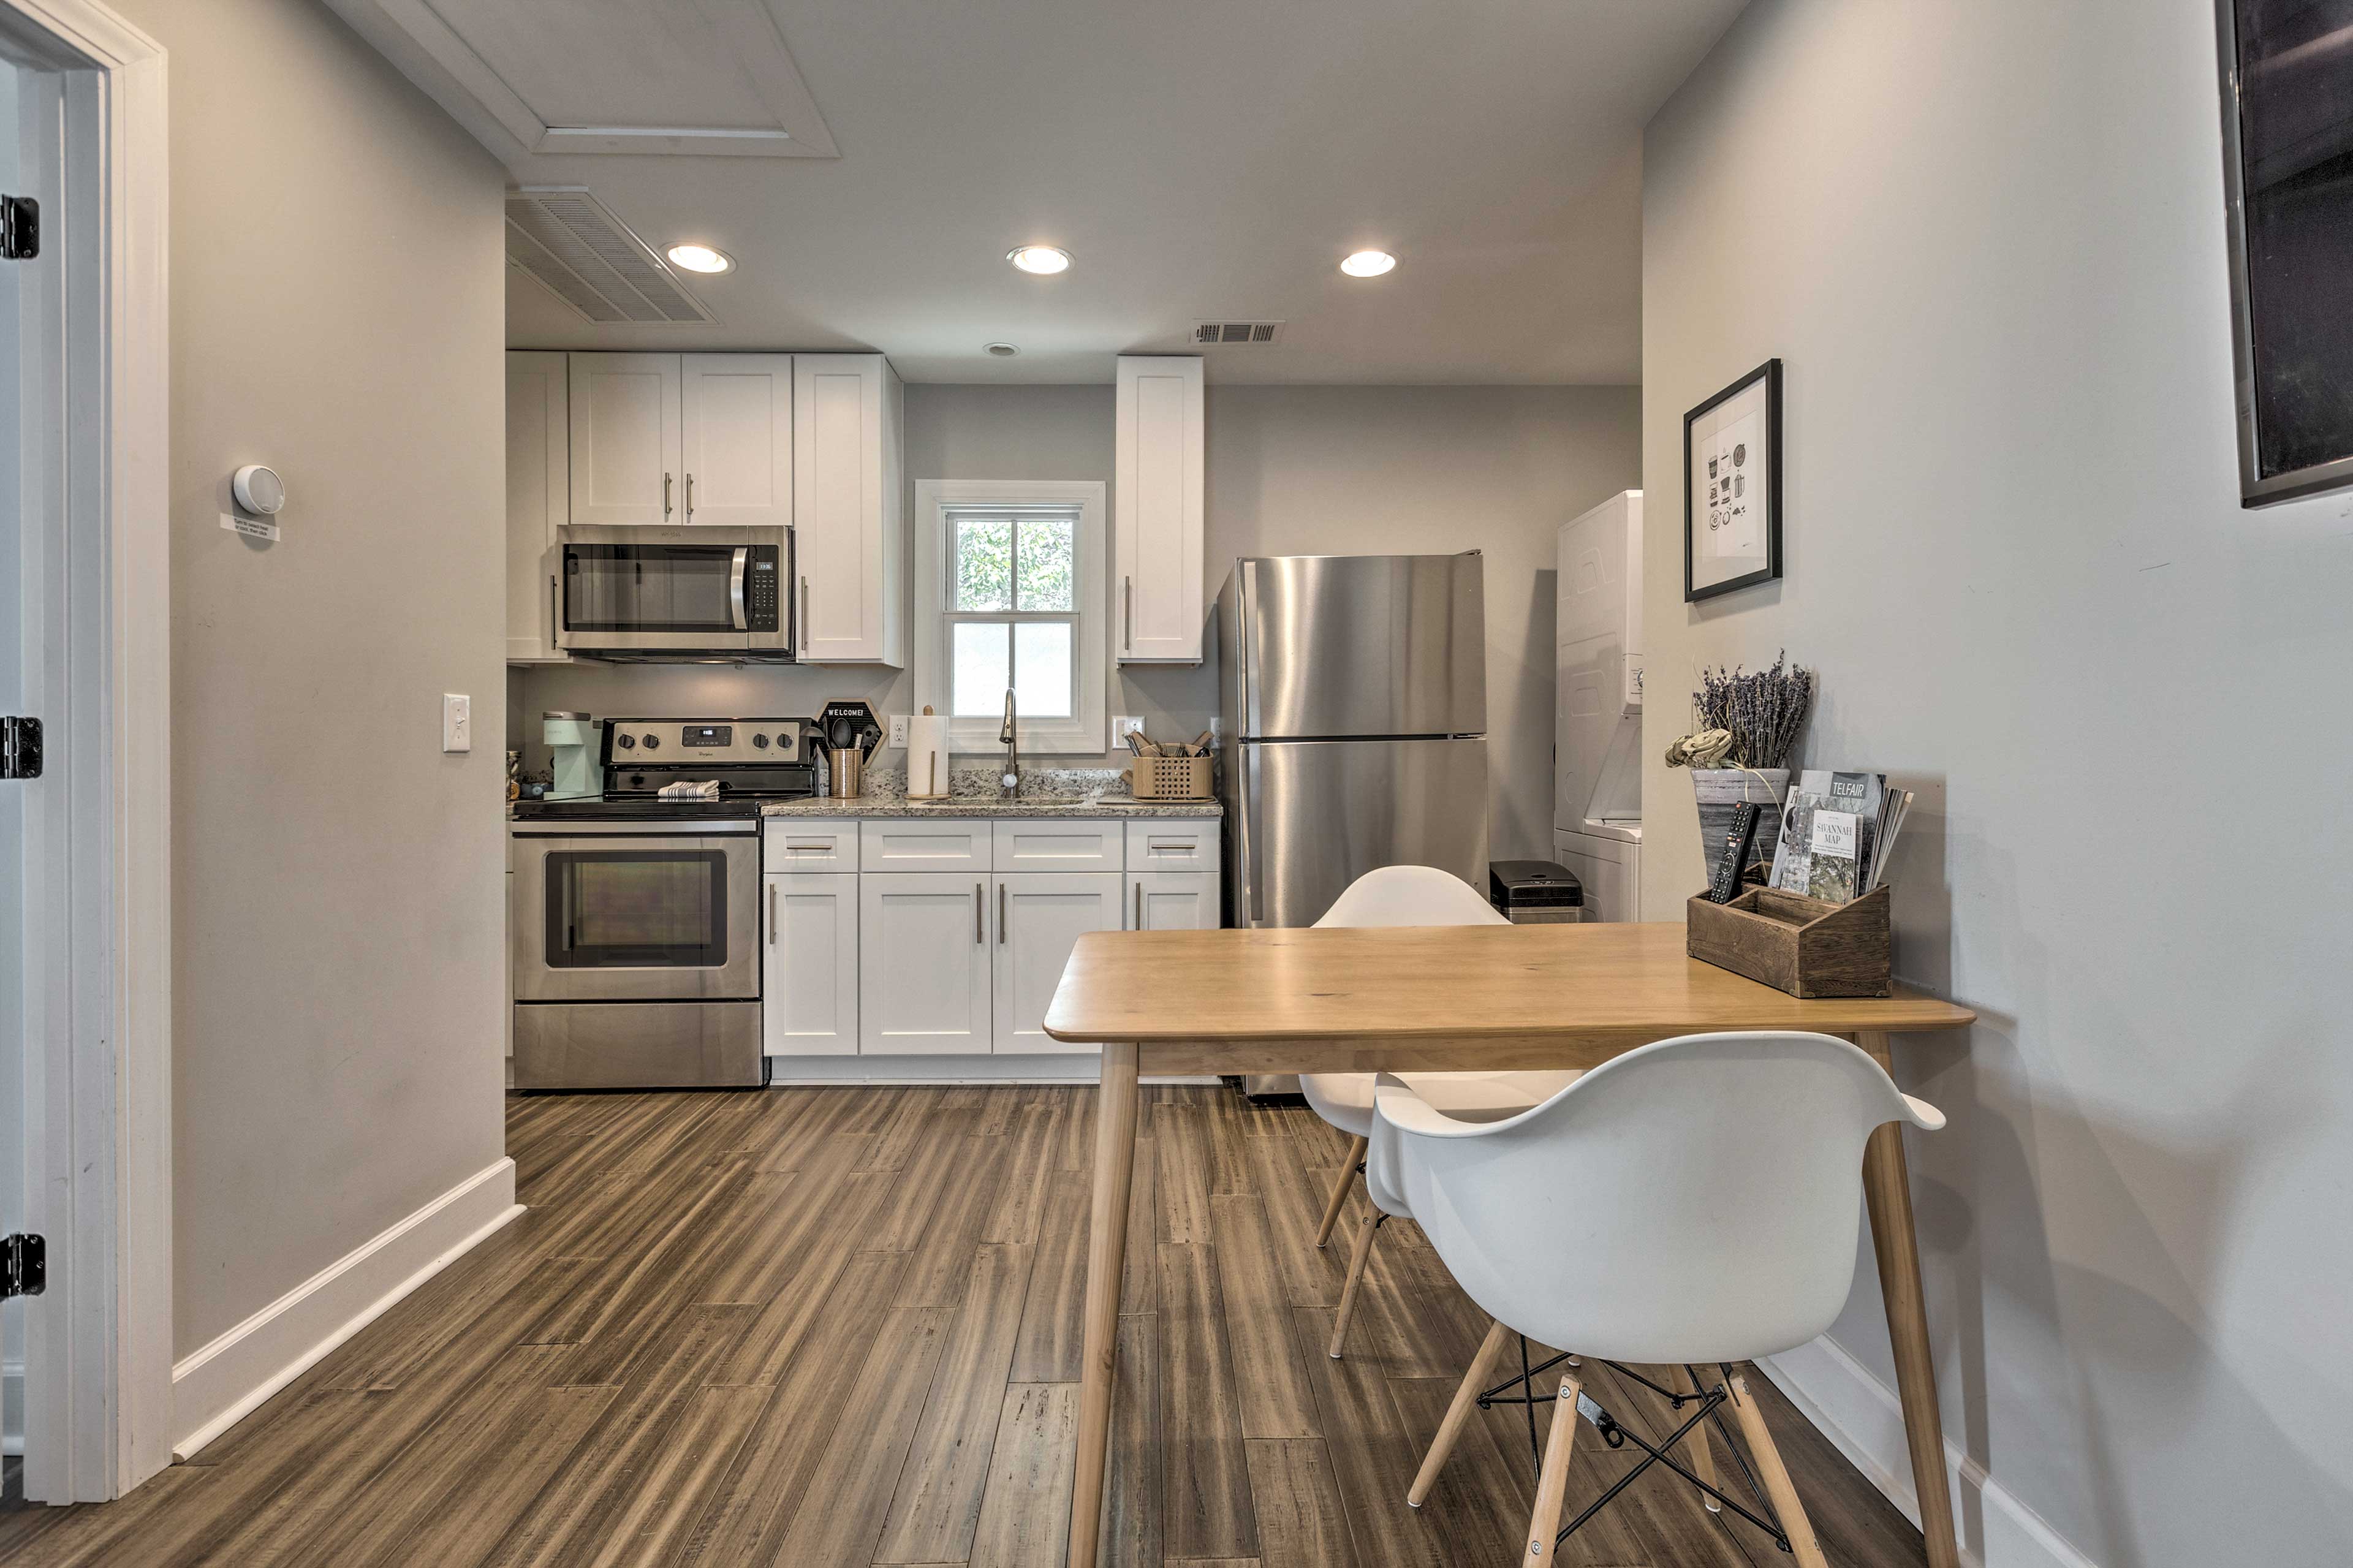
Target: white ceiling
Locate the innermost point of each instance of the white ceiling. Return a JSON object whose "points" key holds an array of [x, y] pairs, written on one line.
{"points": [[1201, 159]]}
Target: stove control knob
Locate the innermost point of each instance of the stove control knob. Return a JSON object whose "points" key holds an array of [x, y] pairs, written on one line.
{"points": [[624, 741], [760, 742], [652, 742]]}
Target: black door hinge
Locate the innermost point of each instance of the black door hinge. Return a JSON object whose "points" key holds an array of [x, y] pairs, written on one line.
{"points": [[24, 1265], [20, 228], [20, 748]]}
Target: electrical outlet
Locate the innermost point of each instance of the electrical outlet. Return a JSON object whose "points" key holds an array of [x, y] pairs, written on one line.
{"points": [[898, 730], [457, 723], [1217, 729], [1124, 725]]}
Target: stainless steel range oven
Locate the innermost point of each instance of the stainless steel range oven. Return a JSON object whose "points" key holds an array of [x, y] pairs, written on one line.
{"points": [[637, 952], [652, 594]]}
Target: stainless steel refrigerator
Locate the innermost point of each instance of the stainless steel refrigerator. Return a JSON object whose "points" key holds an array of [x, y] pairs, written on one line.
{"points": [[1354, 693]]}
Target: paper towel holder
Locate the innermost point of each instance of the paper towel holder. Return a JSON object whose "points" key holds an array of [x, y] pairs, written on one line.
{"points": [[933, 759]]}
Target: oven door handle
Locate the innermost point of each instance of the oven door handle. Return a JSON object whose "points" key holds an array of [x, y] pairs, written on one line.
{"points": [[736, 586]]}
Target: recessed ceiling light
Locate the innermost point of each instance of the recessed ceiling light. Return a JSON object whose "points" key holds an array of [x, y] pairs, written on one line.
{"points": [[700, 258], [1369, 264], [1002, 351], [1042, 259]]}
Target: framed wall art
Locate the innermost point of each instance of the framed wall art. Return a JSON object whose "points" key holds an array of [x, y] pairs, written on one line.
{"points": [[2287, 144], [1732, 486]]}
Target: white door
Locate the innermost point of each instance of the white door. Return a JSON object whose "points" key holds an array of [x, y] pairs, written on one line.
{"points": [[1039, 917], [808, 975], [539, 496], [847, 509], [626, 456], [1158, 468], [19, 599], [1172, 900], [738, 425], [923, 952]]}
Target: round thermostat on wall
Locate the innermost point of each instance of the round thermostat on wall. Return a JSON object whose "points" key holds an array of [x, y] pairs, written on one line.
{"points": [[258, 490]]}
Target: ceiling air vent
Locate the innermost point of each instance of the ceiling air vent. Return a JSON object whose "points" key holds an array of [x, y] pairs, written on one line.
{"points": [[572, 243], [1206, 332]]}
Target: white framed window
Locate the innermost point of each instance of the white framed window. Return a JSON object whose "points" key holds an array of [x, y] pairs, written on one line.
{"points": [[1010, 595]]}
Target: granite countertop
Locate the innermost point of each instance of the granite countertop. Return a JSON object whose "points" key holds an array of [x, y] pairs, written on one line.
{"points": [[1046, 792]]}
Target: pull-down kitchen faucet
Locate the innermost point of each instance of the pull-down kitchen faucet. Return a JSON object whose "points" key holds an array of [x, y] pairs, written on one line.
{"points": [[1008, 782]]}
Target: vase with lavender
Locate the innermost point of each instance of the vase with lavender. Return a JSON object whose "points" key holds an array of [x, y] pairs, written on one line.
{"points": [[1748, 726]]}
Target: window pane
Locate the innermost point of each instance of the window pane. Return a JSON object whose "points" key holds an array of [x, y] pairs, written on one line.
{"points": [[1041, 666], [984, 564], [981, 670], [1046, 562]]}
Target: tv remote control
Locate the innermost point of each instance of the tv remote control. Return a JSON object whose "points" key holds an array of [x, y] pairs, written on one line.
{"points": [[1726, 886]]}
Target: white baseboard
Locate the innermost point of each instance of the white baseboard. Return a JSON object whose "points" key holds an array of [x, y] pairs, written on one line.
{"points": [[11, 1407], [1076, 1068], [219, 1384], [1864, 1418]]}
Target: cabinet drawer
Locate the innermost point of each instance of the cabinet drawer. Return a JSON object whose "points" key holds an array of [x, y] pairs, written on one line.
{"points": [[1058, 844], [920, 843], [808, 844], [1174, 843]]}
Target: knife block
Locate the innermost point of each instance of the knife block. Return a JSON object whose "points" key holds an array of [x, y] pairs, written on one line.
{"points": [[1793, 943]]}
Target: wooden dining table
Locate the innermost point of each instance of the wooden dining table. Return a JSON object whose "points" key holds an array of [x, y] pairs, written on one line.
{"points": [[1406, 999]]}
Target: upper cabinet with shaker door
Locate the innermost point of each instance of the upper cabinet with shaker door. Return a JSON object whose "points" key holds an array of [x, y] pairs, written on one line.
{"points": [[847, 509], [1158, 474], [737, 466], [628, 455], [538, 492]]}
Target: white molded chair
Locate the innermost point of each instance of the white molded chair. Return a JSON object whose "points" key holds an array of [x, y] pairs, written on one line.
{"points": [[1406, 896], [1693, 1202]]}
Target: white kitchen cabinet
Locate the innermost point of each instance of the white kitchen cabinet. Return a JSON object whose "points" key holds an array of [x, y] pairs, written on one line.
{"points": [[925, 843], [1059, 844], [736, 423], [539, 496], [627, 451], [808, 844], [847, 509], [809, 974], [1038, 918], [924, 964], [1159, 470], [1172, 900], [1173, 844]]}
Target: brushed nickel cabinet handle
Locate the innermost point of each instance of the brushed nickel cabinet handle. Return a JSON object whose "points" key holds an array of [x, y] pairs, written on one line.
{"points": [[690, 496], [554, 612], [1139, 906], [772, 914], [804, 614], [979, 914], [665, 495], [1000, 914], [1127, 614]]}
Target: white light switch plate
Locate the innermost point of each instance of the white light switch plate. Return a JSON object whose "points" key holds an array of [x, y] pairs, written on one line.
{"points": [[898, 730], [457, 723]]}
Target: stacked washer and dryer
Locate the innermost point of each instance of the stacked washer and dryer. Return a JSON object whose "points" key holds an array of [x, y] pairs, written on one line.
{"points": [[1598, 707]]}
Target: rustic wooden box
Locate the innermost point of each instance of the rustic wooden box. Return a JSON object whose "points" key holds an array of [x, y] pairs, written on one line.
{"points": [[1796, 945]]}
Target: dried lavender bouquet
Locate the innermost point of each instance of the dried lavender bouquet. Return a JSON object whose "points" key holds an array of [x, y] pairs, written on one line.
{"points": [[1761, 714]]}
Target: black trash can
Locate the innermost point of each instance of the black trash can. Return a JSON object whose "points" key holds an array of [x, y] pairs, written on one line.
{"points": [[1535, 892]]}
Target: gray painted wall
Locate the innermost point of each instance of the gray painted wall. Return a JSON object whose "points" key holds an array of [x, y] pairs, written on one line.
{"points": [[337, 312], [1988, 241], [1301, 469]]}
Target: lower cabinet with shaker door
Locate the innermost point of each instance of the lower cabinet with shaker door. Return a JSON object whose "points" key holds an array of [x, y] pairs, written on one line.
{"points": [[808, 973], [924, 964], [1172, 900], [1039, 917]]}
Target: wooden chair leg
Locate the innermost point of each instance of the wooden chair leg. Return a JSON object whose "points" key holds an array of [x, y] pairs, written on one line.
{"points": [[1702, 1452], [1776, 1475], [1357, 1261], [1466, 1399], [1552, 1477], [1340, 1185]]}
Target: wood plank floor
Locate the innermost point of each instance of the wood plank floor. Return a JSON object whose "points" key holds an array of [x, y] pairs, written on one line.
{"points": [[836, 1328]]}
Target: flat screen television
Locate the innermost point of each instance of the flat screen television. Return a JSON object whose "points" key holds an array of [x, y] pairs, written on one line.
{"points": [[2287, 131]]}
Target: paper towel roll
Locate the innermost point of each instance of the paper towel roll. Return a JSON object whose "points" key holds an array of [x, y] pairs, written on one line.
{"points": [[927, 757]]}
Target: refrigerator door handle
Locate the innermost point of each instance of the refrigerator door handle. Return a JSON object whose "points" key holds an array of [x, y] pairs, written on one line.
{"points": [[1253, 856], [1246, 666]]}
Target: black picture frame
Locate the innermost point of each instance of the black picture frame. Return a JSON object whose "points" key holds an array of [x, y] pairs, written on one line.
{"points": [[1769, 373]]}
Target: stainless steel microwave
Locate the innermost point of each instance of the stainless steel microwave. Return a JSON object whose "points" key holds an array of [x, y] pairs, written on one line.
{"points": [[675, 592]]}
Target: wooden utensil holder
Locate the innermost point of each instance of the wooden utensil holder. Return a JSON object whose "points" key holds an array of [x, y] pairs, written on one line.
{"points": [[1171, 778], [1793, 943]]}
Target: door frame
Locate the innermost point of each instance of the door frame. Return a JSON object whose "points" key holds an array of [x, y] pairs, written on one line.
{"points": [[97, 541]]}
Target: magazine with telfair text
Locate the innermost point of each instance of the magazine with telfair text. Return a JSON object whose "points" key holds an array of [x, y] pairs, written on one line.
{"points": [[1830, 834]]}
